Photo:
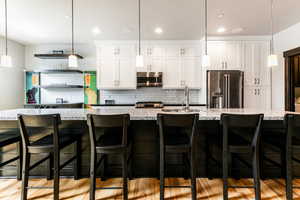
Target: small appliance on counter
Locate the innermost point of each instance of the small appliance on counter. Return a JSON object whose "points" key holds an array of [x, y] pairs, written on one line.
{"points": [[149, 79], [149, 104]]}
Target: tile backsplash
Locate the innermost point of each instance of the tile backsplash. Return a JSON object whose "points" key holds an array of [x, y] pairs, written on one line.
{"points": [[148, 94]]}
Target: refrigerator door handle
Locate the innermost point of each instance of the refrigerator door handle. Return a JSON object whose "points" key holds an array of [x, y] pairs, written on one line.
{"points": [[227, 90]]}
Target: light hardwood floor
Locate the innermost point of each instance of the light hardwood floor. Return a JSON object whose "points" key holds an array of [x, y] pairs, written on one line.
{"points": [[144, 189]]}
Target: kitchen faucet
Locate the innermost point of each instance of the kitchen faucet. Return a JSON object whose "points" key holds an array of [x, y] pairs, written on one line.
{"points": [[187, 98]]}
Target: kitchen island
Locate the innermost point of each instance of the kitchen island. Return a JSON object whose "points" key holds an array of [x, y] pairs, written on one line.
{"points": [[144, 134]]}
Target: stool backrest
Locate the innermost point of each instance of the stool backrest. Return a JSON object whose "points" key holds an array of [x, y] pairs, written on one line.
{"points": [[108, 121], [292, 125], [28, 123], [178, 123], [243, 124]]}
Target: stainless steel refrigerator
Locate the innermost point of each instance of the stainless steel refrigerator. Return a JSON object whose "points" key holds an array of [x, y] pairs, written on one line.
{"points": [[225, 89]]}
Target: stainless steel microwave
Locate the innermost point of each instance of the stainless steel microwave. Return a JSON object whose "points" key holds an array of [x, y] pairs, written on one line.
{"points": [[149, 79]]}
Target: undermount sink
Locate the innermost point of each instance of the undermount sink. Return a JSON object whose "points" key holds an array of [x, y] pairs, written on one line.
{"points": [[181, 110]]}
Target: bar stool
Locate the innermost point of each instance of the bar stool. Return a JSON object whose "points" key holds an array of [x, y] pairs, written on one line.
{"points": [[8, 138], [241, 134], [50, 145], [292, 124], [113, 141], [177, 134]]}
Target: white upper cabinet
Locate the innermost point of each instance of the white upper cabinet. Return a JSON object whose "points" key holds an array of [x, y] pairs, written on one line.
{"points": [[109, 51], [182, 67], [116, 68], [191, 72], [225, 55], [171, 73], [153, 58], [257, 72]]}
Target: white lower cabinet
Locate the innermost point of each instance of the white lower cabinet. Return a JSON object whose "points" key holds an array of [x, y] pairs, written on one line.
{"points": [[257, 98]]}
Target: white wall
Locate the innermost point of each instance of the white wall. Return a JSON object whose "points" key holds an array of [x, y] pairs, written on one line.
{"points": [[88, 51], [284, 40], [12, 79]]}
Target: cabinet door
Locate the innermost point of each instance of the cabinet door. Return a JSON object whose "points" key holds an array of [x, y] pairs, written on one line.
{"points": [[154, 51], [171, 73], [264, 94], [264, 70], [216, 52], [191, 71], [126, 73], [172, 51], [107, 73], [251, 97], [255, 63], [156, 64], [250, 63], [108, 51], [232, 55], [257, 98]]}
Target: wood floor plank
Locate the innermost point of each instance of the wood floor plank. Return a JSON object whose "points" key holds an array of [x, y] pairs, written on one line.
{"points": [[145, 189]]}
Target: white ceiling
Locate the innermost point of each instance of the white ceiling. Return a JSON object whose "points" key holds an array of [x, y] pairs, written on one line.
{"points": [[48, 21]]}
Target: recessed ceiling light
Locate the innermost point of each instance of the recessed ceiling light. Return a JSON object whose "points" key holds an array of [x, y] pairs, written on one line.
{"points": [[96, 31], [221, 30], [158, 30], [237, 30]]}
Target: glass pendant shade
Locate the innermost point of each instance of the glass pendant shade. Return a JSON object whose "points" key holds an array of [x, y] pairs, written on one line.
{"points": [[73, 61], [272, 60], [6, 61], [139, 61], [205, 61]]}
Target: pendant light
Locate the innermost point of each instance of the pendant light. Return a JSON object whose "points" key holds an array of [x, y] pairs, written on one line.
{"points": [[6, 59], [139, 57], [272, 58], [73, 60], [205, 58]]}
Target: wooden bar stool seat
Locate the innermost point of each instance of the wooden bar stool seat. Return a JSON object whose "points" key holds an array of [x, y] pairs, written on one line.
{"points": [[50, 145], [241, 134], [109, 135], [178, 135], [12, 137]]}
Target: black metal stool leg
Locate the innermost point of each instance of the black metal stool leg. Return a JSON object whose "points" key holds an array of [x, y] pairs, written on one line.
{"points": [[56, 174], [77, 161], [162, 175], [225, 175], [193, 178], [19, 161], [256, 174], [125, 176], [93, 174], [25, 174], [50, 167], [289, 175]]}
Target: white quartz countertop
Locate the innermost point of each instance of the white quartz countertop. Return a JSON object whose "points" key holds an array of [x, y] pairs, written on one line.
{"points": [[135, 113]]}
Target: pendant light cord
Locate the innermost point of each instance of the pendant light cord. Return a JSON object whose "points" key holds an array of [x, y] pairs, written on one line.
{"points": [[6, 40], [73, 27], [139, 27], [205, 26], [272, 30]]}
